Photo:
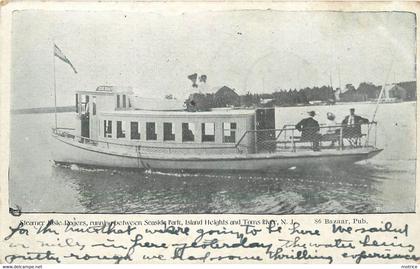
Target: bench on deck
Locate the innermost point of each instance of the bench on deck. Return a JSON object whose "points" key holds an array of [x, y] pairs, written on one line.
{"points": [[354, 140], [270, 145]]}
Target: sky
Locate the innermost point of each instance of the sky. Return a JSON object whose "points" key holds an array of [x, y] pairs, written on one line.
{"points": [[249, 50]]}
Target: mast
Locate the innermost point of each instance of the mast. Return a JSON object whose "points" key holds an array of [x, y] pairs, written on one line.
{"points": [[55, 92]]}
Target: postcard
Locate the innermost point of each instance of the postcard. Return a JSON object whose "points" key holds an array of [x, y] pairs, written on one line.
{"points": [[209, 132]]}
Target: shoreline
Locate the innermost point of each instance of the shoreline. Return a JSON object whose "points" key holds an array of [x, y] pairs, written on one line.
{"points": [[65, 109]]}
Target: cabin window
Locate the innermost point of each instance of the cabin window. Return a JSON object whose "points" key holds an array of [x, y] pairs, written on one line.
{"points": [[188, 132], [121, 129], [229, 131], [151, 131], [77, 103], [108, 128], [87, 104], [94, 105], [124, 101], [168, 132], [134, 130], [129, 102], [84, 104], [118, 101], [85, 98], [207, 132]]}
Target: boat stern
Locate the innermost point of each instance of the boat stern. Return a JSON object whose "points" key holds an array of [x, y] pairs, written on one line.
{"points": [[374, 152]]}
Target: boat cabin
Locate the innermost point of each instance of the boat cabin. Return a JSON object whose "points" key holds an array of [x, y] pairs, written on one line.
{"points": [[115, 115], [117, 129], [113, 120]]}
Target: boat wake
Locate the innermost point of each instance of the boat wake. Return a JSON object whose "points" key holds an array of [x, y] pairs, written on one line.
{"points": [[82, 168], [359, 175]]}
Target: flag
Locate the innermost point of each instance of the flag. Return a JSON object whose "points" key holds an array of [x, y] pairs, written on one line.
{"points": [[61, 56]]}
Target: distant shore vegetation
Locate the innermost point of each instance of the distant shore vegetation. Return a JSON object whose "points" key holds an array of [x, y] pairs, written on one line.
{"points": [[227, 97], [35, 110]]}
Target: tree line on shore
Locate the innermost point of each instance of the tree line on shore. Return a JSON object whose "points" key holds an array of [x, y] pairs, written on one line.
{"points": [[225, 96]]}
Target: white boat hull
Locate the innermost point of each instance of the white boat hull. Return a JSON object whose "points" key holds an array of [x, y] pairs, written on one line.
{"points": [[70, 152]]}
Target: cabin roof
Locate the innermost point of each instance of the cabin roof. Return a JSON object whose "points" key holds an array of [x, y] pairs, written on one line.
{"points": [[108, 90], [236, 112], [156, 104]]}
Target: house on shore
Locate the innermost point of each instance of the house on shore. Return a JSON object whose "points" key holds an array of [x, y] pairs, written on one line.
{"points": [[226, 96]]}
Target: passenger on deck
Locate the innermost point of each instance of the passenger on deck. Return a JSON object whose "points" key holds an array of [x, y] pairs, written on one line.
{"points": [[331, 123], [310, 130], [332, 129], [352, 123]]}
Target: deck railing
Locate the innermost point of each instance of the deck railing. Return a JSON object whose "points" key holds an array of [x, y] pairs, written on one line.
{"points": [[286, 139]]}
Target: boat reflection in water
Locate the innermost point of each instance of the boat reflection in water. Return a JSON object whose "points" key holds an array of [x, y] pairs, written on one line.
{"points": [[117, 129]]}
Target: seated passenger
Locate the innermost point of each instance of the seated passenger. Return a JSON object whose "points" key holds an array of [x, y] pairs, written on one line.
{"points": [[331, 124], [353, 124], [310, 130], [332, 129]]}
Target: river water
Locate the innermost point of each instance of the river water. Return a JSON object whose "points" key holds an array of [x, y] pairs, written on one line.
{"points": [[385, 183]]}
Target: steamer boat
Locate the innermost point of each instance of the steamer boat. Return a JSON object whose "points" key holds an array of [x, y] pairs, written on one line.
{"points": [[117, 129]]}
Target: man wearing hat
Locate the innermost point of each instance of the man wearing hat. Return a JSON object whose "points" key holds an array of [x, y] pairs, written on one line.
{"points": [[352, 123], [310, 130]]}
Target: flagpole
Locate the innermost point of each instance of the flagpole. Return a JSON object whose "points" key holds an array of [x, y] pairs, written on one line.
{"points": [[55, 93], [379, 99]]}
